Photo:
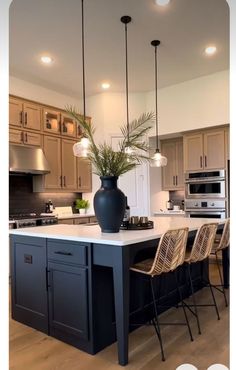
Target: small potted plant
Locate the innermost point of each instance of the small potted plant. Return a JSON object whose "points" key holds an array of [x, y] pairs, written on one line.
{"points": [[82, 205]]}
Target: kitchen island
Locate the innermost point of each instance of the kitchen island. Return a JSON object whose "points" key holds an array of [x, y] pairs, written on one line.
{"points": [[73, 282]]}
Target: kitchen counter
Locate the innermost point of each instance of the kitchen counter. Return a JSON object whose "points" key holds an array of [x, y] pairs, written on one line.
{"points": [[92, 233], [68, 217]]}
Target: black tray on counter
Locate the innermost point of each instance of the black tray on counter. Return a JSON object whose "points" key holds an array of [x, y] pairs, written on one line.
{"points": [[129, 226]]}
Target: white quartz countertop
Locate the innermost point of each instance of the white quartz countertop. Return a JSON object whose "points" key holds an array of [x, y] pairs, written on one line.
{"points": [[92, 233], [75, 215]]}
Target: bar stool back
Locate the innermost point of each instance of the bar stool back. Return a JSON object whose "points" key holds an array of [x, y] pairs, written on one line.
{"points": [[218, 247], [169, 255], [201, 250]]}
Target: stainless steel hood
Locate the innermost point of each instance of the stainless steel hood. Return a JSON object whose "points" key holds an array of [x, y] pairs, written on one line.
{"points": [[27, 160]]}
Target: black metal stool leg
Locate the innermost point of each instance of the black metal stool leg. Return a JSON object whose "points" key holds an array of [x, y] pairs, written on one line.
{"points": [[182, 304], [156, 325], [214, 300], [193, 298], [221, 280]]}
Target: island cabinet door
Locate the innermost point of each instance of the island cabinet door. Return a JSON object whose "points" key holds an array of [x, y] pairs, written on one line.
{"points": [[68, 308], [29, 282]]}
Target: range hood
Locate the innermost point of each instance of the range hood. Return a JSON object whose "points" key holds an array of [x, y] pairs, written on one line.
{"points": [[27, 160]]}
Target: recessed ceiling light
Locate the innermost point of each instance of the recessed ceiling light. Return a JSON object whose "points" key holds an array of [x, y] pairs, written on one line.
{"points": [[162, 2], [210, 50], [46, 59], [105, 85]]}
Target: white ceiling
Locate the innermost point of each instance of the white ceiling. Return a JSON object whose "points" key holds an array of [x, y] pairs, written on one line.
{"points": [[185, 27]]}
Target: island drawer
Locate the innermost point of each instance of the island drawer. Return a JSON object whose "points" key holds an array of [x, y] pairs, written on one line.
{"points": [[67, 252]]}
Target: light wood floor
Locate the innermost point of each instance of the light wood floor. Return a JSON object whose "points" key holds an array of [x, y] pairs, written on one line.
{"points": [[32, 350]]}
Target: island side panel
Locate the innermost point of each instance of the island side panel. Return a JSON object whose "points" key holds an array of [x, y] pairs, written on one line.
{"points": [[29, 281]]}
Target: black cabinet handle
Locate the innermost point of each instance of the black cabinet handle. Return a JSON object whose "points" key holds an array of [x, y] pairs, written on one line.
{"points": [[176, 180], [173, 180], [205, 161], [47, 278], [21, 117], [64, 253], [26, 119], [64, 177], [61, 180], [201, 161], [26, 137], [79, 181], [22, 136]]}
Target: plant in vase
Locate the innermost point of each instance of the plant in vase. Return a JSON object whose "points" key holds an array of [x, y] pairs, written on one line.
{"points": [[82, 205], [108, 164]]}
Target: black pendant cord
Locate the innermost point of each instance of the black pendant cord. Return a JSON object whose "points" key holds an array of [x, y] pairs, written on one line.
{"points": [[126, 19], [156, 43], [157, 143], [83, 64]]}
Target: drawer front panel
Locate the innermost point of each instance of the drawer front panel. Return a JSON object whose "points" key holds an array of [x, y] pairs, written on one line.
{"points": [[67, 252]]}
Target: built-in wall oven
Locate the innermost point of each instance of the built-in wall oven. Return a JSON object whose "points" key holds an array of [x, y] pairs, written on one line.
{"points": [[210, 184], [202, 208]]}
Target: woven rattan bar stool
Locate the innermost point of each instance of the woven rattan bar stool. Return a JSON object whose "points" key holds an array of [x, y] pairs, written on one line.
{"points": [[169, 255], [218, 246], [201, 250]]}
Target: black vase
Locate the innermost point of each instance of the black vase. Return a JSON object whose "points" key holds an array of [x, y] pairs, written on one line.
{"points": [[109, 205]]}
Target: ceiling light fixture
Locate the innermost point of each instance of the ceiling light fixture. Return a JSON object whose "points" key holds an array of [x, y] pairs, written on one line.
{"points": [[162, 2], [127, 19], [105, 85], [210, 50], [80, 149], [46, 59], [158, 160]]}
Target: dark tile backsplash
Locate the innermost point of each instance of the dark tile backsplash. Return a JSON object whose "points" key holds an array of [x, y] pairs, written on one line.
{"points": [[23, 200]]}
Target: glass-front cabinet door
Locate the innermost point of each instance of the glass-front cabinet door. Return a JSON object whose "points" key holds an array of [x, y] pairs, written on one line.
{"points": [[80, 129], [51, 121], [68, 126]]}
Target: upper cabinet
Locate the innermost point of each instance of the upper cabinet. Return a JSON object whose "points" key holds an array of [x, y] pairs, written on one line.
{"points": [[51, 121], [84, 175], [79, 128], [172, 173], [24, 114], [205, 150], [68, 125]]}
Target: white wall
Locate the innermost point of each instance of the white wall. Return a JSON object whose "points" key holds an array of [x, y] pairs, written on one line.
{"points": [[198, 103], [40, 94]]}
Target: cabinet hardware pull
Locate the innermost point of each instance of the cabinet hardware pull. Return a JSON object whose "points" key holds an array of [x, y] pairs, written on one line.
{"points": [[79, 181], [26, 119], [64, 253], [21, 117], [22, 136], [205, 161], [64, 177], [47, 278], [61, 181], [176, 180], [26, 137], [173, 180], [201, 161]]}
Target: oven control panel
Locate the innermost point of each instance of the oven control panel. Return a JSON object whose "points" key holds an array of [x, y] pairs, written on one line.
{"points": [[202, 203]]}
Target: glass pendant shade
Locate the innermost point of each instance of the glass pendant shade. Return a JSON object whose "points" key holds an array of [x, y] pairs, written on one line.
{"points": [[80, 149], [158, 160], [129, 150]]}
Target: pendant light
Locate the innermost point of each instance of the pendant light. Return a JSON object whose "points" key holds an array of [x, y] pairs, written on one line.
{"points": [[125, 20], [80, 149], [158, 160]]}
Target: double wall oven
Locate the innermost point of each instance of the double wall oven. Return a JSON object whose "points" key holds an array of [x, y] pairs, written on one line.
{"points": [[205, 194]]}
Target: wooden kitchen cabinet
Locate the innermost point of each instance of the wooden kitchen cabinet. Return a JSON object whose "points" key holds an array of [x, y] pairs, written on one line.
{"points": [[173, 173], [68, 125], [84, 175], [24, 114], [52, 151], [204, 150], [51, 121], [24, 137], [69, 181], [62, 164]]}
